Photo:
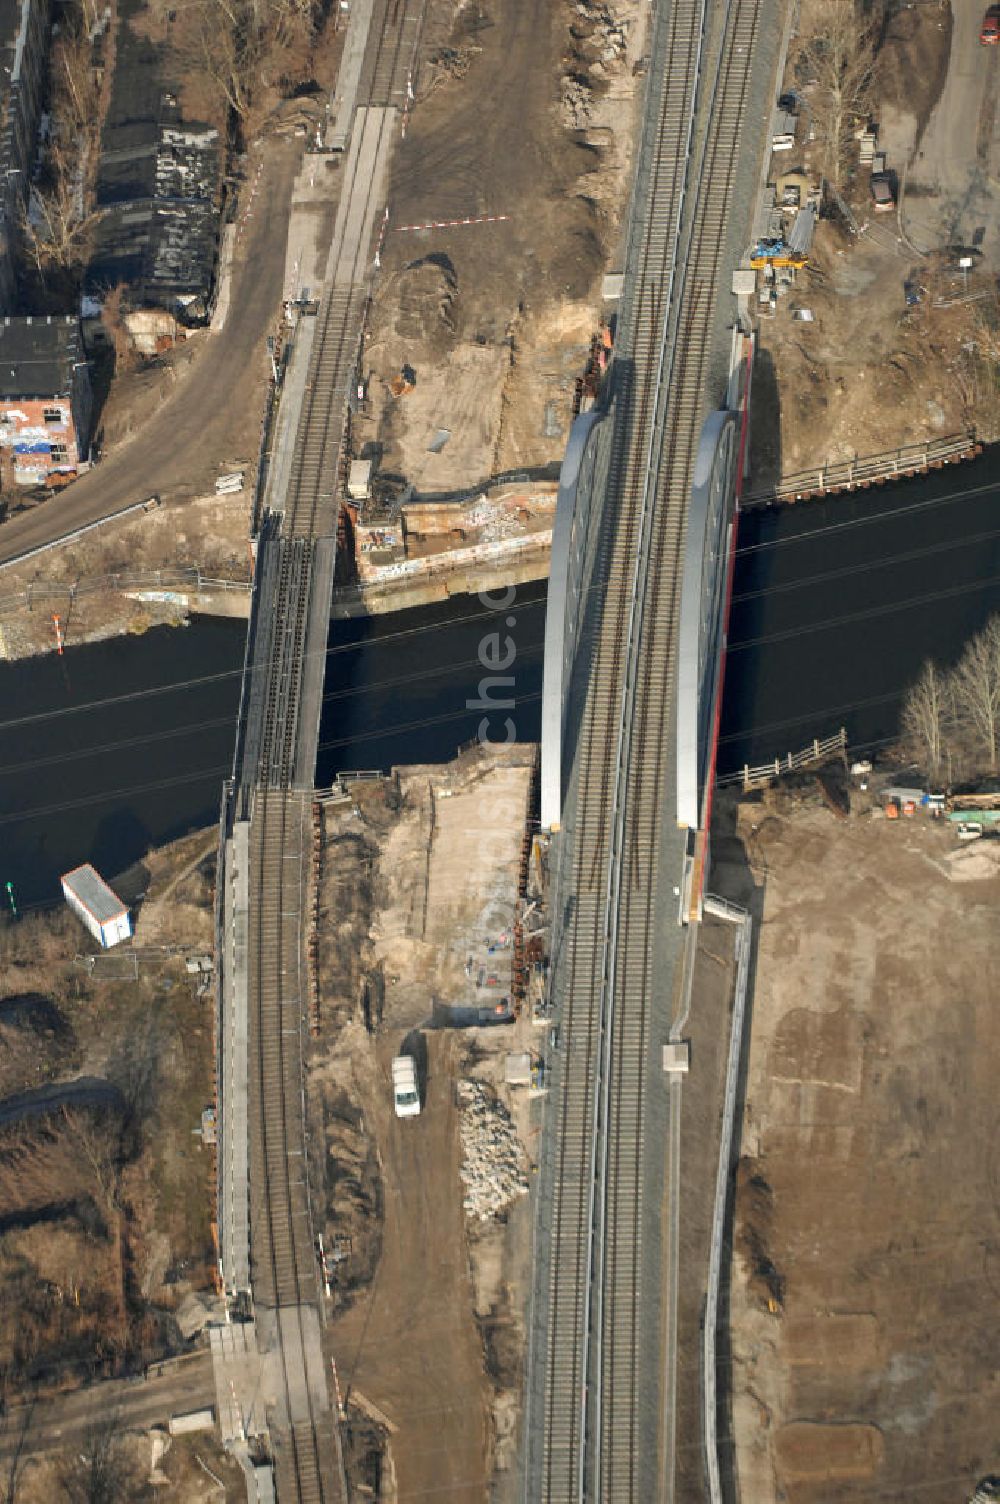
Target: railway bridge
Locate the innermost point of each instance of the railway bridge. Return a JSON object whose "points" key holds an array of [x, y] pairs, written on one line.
{"points": [[274, 1400], [634, 655]]}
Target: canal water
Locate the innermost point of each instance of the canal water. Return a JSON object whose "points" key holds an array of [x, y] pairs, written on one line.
{"points": [[121, 745], [407, 688], [124, 744], [837, 604], [112, 748]]}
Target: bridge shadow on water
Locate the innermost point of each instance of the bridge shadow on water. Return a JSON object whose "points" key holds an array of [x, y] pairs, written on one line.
{"points": [[837, 603]]}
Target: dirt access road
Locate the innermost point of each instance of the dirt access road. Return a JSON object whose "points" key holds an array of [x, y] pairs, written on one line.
{"points": [[410, 1345], [64, 1421], [952, 181], [216, 408], [867, 1208]]}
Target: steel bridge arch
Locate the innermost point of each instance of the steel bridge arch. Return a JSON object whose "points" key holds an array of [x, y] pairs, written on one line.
{"points": [[560, 630]]}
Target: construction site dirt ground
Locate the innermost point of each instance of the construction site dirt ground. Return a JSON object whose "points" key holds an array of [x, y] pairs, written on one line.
{"points": [[862, 372], [496, 318], [524, 114], [427, 1315], [867, 1231]]}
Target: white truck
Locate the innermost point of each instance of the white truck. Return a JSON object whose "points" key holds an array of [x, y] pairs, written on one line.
{"points": [[405, 1091]]}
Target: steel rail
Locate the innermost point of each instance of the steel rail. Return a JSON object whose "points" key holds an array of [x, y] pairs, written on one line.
{"points": [[607, 1019], [612, 900], [684, 383], [284, 1273], [670, 146]]}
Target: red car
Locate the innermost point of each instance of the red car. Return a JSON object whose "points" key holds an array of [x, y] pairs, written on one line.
{"points": [[989, 34]]}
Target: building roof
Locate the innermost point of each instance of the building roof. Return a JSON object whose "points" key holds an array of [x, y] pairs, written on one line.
{"points": [[161, 250], [38, 355], [98, 899], [158, 181]]}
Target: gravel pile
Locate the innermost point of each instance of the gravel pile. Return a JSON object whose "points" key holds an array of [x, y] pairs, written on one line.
{"points": [[492, 1158]]}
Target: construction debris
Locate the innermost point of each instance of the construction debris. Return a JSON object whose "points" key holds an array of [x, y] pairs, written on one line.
{"points": [[492, 1157]]}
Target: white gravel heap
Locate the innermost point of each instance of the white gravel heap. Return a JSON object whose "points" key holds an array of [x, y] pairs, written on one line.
{"points": [[492, 1157], [492, 521]]}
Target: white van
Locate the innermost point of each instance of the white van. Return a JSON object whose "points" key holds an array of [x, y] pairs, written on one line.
{"points": [[405, 1092]]}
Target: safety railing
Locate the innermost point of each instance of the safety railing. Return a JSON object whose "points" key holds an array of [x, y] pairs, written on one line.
{"points": [[188, 579], [869, 470], [763, 773]]}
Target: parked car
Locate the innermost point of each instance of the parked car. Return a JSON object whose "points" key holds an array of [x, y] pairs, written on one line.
{"points": [[405, 1088], [882, 192], [989, 33]]}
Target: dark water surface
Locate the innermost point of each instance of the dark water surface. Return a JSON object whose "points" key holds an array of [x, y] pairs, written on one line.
{"points": [[397, 686], [94, 767], [837, 604], [104, 783]]}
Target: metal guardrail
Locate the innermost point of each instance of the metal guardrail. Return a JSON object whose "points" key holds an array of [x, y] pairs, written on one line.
{"points": [[131, 510], [755, 777], [140, 579], [869, 470], [732, 914]]}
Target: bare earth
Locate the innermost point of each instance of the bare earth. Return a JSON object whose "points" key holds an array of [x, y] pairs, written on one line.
{"points": [[531, 120], [868, 373], [867, 1231], [419, 878]]}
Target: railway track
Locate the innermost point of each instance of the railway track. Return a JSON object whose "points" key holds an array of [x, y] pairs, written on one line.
{"points": [[284, 1276], [595, 1437]]}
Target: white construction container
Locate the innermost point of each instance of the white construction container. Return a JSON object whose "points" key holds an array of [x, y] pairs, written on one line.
{"points": [[191, 1420], [359, 482], [101, 910]]}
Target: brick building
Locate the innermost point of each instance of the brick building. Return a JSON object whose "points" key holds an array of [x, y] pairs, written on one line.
{"points": [[45, 401]]}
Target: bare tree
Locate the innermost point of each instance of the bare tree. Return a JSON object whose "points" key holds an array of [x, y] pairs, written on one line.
{"points": [[924, 717], [244, 48], [976, 690], [839, 51], [102, 1472], [55, 224], [115, 326], [58, 221]]}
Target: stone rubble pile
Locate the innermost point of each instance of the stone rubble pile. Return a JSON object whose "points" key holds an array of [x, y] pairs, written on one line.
{"points": [[492, 1157], [493, 522], [609, 39]]}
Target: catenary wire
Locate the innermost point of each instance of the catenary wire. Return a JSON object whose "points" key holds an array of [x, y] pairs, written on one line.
{"points": [[237, 673], [870, 519], [493, 612], [191, 728], [909, 556], [222, 772]]}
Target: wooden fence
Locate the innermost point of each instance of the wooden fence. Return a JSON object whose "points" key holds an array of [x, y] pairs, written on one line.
{"points": [[764, 773], [858, 474]]}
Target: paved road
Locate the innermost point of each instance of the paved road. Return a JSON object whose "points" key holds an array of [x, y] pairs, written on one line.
{"points": [[54, 1424], [180, 448], [952, 187]]}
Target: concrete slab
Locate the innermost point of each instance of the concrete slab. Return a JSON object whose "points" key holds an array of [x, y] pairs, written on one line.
{"points": [[289, 414], [341, 107], [310, 224], [234, 1209], [365, 173], [236, 1366]]}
